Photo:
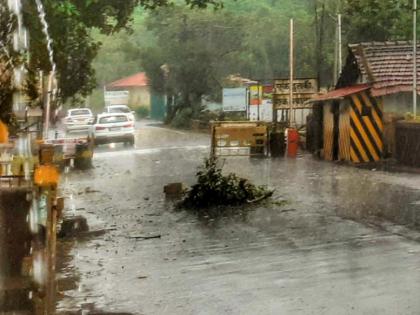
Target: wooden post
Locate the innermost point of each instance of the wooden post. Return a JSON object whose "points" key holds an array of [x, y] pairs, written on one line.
{"points": [[415, 58], [292, 119], [340, 47]]}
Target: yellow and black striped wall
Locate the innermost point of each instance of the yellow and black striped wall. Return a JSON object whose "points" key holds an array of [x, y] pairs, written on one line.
{"points": [[360, 129], [366, 135]]}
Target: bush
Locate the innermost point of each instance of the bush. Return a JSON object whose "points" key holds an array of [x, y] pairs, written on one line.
{"points": [[183, 118], [207, 116], [142, 112], [215, 189]]}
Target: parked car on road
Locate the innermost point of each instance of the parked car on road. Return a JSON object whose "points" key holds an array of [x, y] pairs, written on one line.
{"points": [[110, 128], [78, 119], [123, 109]]}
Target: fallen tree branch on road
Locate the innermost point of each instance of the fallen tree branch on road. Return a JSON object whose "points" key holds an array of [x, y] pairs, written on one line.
{"points": [[213, 189], [267, 195]]}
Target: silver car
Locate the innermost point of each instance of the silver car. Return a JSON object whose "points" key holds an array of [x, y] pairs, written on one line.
{"points": [[78, 119], [121, 109], [111, 128]]}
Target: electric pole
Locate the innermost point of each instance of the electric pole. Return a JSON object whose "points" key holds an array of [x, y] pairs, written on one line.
{"points": [[415, 58], [291, 66]]}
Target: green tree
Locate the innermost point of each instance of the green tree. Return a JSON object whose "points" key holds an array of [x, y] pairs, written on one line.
{"points": [[71, 23], [177, 39], [200, 49], [377, 20], [7, 61], [192, 53]]}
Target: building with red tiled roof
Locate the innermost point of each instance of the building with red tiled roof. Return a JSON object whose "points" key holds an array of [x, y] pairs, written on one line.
{"points": [[357, 120], [387, 67], [133, 91], [136, 80]]}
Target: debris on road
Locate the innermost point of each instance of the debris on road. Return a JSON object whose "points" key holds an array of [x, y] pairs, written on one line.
{"points": [[175, 189], [279, 203], [73, 226], [145, 237], [215, 189], [89, 190], [261, 198], [287, 210]]}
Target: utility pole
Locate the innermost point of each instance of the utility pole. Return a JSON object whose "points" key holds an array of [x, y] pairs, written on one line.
{"points": [[335, 72], [340, 47], [415, 58], [259, 100], [291, 66]]}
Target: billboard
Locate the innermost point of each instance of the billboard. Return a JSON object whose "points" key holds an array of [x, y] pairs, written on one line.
{"points": [[303, 90], [255, 95], [235, 100], [267, 92], [116, 97], [300, 86]]}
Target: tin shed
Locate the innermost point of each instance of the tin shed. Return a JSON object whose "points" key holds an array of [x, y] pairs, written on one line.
{"points": [[374, 91], [352, 126]]}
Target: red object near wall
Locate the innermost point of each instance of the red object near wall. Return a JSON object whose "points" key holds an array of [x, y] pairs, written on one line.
{"points": [[292, 142]]}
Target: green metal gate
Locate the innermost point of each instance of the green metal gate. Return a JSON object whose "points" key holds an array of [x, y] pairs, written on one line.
{"points": [[158, 107]]}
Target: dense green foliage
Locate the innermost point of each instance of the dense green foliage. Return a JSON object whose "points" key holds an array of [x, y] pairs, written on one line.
{"points": [[188, 53], [378, 20], [7, 59], [72, 25]]}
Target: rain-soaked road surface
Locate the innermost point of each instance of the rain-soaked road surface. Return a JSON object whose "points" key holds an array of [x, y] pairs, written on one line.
{"points": [[331, 249]]}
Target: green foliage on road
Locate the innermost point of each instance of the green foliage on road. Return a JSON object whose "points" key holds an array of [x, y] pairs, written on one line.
{"points": [[214, 189]]}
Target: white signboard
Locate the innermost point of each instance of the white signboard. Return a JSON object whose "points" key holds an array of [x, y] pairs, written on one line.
{"points": [[116, 97], [235, 100], [265, 111]]}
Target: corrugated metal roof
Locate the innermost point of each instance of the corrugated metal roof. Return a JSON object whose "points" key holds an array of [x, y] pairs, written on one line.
{"points": [[137, 80], [340, 93], [387, 65]]}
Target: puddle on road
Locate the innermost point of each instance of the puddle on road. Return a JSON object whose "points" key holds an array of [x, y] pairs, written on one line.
{"points": [[395, 203], [129, 152], [116, 273]]}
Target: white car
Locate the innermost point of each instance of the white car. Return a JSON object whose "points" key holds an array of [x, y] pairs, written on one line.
{"points": [[78, 119], [121, 109], [110, 128]]}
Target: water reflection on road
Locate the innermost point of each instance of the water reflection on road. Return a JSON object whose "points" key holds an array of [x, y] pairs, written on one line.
{"points": [[329, 250]]}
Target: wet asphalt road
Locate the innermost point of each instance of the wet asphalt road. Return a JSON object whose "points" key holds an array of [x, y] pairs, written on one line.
{"points": [[345, 242]]}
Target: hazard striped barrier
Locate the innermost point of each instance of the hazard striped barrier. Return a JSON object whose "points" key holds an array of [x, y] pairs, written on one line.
{"points": [[366, 134]]}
